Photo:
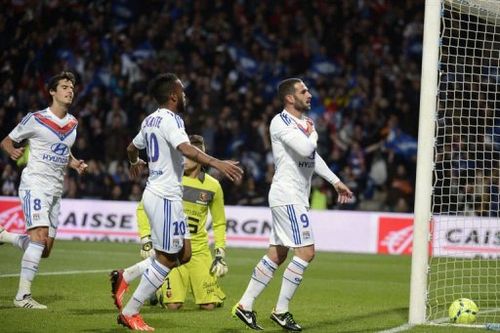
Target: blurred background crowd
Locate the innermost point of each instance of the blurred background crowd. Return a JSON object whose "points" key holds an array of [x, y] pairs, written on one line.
{"points": [[360, 59]]}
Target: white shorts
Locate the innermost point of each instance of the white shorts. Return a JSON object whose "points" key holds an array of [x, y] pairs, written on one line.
{"points": [[40, 210], [291, 226], [168, 223]]}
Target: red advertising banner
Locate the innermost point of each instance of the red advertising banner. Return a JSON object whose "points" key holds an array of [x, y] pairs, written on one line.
{"points": [[395, 235], [11, 215]]}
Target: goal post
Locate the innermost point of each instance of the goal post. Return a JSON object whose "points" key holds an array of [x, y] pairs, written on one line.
{"points": [[457, 197], [423, 187]]}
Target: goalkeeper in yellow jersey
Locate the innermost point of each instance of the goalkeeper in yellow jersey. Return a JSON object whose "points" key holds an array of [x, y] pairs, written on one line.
{"points": [[201, 193]]}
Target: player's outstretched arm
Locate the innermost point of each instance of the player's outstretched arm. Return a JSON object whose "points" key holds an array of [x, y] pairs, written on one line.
{"points": [[136, 164], [12, 148], [229, 169]]}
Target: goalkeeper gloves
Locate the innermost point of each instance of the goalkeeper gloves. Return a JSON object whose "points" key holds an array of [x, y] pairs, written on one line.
{"points": [[219, 266], [147, 247]]}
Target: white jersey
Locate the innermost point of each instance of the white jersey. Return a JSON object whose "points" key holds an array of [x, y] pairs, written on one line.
{"points": [[293, 154], [161, 133], [50, 140], [295, 160]]}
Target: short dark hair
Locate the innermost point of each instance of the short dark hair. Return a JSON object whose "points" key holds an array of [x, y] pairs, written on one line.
{"points": [[197, 141], [162, 86], [64, 75], [286, 87]]}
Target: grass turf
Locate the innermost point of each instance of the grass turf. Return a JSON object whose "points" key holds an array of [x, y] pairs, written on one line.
{"points": [[339, 293]]}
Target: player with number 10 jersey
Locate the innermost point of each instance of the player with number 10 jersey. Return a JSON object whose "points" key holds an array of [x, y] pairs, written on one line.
{"points": [[160, 134]]}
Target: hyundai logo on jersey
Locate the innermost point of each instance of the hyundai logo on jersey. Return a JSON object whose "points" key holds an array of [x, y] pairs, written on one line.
{"points": [[60, 149]]}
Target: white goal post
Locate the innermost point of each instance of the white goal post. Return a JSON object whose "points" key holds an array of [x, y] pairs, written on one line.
{"points": [[456, 240]]}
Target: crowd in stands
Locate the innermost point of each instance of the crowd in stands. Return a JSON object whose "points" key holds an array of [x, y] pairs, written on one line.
{"points": [[360, 59]]}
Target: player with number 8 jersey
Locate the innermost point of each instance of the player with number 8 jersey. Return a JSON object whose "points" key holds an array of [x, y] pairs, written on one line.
{"points": [[50, 134]]}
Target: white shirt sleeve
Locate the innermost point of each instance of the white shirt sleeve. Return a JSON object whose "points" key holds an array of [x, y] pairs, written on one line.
{"points": [[23, 130], [175, 132], [294, 138], [324, 171], [139, 141]]}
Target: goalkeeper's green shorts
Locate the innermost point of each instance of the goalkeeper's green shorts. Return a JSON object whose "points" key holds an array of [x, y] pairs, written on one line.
{"points": [[195, 277]]}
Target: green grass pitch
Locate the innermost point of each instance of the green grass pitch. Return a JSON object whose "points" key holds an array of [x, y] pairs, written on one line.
{"points": [[340, 293]]}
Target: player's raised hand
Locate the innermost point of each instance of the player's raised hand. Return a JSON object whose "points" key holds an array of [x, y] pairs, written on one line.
{"points": [[136, 168], [310, 126], [344, 192], [230, 169]]}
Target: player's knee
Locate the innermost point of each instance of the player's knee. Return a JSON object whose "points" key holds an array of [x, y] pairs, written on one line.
{"points": [[306, 254], [277, 259], [207, 306], [174, 306]]}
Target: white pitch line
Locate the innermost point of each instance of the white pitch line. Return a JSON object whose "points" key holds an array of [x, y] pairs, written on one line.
{"points": [[440, 322], [401, 328], [61, 273]]}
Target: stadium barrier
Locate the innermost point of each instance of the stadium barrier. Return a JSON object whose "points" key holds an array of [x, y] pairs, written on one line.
{"points": [[336, 231]]}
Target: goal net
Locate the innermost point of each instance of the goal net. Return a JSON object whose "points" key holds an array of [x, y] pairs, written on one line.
{"points": [[465, 204]]}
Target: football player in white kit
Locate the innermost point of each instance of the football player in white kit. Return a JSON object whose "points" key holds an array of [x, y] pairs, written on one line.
{"points": [[50, 134], [294, 142], [164, 138]]}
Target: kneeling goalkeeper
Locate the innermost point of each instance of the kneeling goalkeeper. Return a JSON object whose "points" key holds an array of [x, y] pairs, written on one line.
{"points": [[201, 193]]}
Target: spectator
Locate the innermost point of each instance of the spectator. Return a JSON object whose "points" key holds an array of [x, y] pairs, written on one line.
{"points": [[362, 59]]}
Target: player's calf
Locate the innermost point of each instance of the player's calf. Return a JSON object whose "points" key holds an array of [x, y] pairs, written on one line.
{"points": [[174, 306], [208, 306]]}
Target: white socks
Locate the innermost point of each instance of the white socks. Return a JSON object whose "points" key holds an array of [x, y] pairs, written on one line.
{"points": [[151, 280], [262, 274], [22, 242], [19, 240], [133, 272], [292, 276], [29, 267]]}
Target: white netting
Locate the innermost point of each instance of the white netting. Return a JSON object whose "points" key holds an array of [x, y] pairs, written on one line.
{"points": [[466, 210]]}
